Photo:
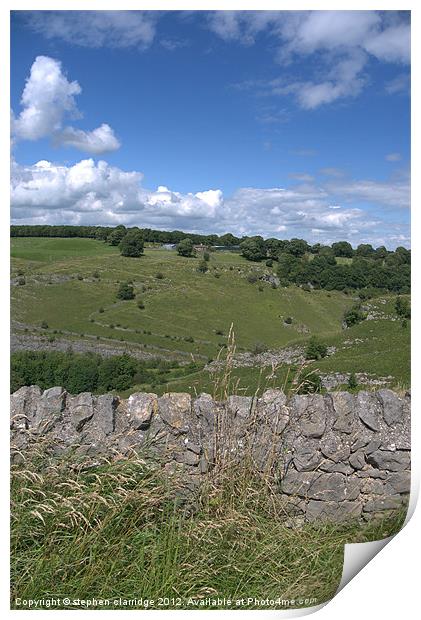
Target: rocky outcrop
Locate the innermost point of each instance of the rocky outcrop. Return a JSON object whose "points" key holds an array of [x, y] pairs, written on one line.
{"points": [[334, 457]]}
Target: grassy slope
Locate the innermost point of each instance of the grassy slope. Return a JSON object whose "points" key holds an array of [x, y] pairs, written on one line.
{"points": [[188, 304]]}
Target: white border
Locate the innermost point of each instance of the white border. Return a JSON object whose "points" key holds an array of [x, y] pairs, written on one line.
{"points": [[388, 586]]}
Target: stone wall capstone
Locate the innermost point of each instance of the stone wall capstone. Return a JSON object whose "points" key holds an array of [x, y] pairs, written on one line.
{"points": [[335, 456]]}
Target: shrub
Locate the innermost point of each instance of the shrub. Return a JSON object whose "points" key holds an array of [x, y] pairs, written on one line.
{"points": [[252, 278], [259, 347], [101, 310], [79, 276], [352, 381], [402, 307], [354, 315], [260, 288], [185, 247], [21, 281], [96, 275], [315, 349], [140, 305], [44, 325], [309, 383], [202, 267], [206, 256], [269, 262], [159, 275], [306, 288], [288, 320], [125, 291]]}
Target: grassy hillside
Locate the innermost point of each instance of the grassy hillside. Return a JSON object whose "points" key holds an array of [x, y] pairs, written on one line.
{"points": [[188, 314]]}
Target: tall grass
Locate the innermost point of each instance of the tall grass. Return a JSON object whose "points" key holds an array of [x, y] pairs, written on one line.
{"points": [[122, 529]]}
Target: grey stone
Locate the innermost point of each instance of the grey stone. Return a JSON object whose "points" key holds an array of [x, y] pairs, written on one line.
{"points": [[310, 413], [175, 411], [328, 487], [392, 406], [102, 424], [357, 459], [370, 472], [49, 409], [376, 487], [187, 457], [400, 481], [360, 442], [332, 467], [344, 408], [386, 503], [240, 406], [271, 409], [81, 409], [368, 408], [23, 405], [391, 461], [333, 511], [372, 446], [140, 408], [205, 409], [306, 454], [193, 447], [333, 448]]}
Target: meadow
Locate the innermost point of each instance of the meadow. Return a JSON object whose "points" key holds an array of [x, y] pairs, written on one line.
{"points": [[70, 288]]}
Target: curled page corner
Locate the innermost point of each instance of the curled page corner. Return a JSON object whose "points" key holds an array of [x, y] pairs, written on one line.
{"points": [[358, 555]]}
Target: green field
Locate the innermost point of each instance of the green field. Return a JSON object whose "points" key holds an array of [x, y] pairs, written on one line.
{"points": [[188, 314]]}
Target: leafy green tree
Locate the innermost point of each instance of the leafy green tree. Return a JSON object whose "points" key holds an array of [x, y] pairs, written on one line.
{"points": [[297, 247], [364, 249], [185, 247], [253, 248], [402, 307], [115, 237], [132, 244], [229, 239], [343, 248], [316, 349], [125, 291]]}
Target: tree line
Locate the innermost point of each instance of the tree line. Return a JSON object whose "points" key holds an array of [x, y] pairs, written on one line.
{"points": [[114, 235], [84, 372]]}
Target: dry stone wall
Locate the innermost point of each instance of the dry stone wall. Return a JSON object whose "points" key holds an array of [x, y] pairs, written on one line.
{"points": [[334, 456]]}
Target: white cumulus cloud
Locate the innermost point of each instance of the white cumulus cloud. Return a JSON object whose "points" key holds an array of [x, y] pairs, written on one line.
{"points": [[47, 100]]}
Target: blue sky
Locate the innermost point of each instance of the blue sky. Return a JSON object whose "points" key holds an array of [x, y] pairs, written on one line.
{"points": [[285, 124]]}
